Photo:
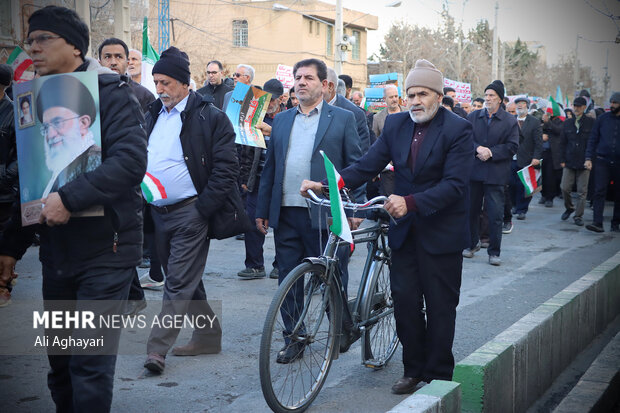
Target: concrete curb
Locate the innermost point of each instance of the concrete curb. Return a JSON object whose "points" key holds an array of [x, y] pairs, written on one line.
{"points": [[513, 370], [597, 390], [437, 397]]}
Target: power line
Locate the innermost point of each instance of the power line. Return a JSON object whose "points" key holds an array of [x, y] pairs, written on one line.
{"points": [[608, 14]]}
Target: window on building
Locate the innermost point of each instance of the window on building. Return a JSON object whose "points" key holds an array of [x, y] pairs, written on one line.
{"points": [[310, 22], [317, 26], [356, 45], [5, 18], [240, 33], [329, 47]]}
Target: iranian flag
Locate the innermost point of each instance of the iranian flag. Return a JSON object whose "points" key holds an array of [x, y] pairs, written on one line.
{"points": [[149, 57], [530, 178], [554, 109], [20, 62], [152, 189], [340, 225]]}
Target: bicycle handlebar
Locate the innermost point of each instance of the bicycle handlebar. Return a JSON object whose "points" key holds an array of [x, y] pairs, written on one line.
{"points": [[368, 205]]}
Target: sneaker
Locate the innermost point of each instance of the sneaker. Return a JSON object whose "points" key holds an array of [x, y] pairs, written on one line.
{"points": [[484, 244], [469, 252], [274, 274], [495, 260], [146, 263], [521, 216], [252, 273], [507, 228], [579, 221], [595, 227], [148, 283], [240, 237], [567, 213], [549, 204]]}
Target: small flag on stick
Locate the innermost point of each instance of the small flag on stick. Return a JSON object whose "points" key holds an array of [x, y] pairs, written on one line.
{"points": [[340, 225], [531, 179]]}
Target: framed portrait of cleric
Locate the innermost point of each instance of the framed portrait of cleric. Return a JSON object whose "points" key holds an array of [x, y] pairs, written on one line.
{"points": [[58, 137], [26, 110]]}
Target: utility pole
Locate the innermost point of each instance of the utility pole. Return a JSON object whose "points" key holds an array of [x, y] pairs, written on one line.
{"points": [[576, 72], [338, 38], [495, 41], [606, 78], [502, 61]]}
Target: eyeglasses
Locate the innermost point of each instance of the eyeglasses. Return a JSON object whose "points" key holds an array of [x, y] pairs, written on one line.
{"points": [[238, 74], [41, 40], [56, 123], [214, 73]]}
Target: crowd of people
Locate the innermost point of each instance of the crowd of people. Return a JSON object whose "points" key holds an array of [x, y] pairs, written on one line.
{"points": [[441, 162]]}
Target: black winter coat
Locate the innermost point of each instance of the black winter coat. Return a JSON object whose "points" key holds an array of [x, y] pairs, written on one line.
{"points": [[530, 141], [217, 92], [553, 129], [8, 152], [208, 142], [114, 240], [575, 142]]}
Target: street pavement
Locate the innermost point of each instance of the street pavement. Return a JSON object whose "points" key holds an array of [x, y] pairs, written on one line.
{"points": [[540, 257]]}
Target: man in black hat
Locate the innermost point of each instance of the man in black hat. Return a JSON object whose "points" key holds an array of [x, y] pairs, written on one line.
{"points": [[66, 118], [496, 138], [604, 150], [192, 162], [252, 162], [85, 258], [574, 141]]}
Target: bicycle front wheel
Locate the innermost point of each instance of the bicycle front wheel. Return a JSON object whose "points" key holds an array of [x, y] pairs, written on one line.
{"points": [[299, 338], [379, 341]]}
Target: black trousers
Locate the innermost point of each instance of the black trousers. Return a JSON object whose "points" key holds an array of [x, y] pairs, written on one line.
{"points": [[84, 383], [417, 277]]}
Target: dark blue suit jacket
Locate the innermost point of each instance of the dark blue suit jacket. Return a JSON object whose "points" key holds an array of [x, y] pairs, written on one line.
{"points": [[360, 120], [439, 182], [336, 135], [502, 138]]}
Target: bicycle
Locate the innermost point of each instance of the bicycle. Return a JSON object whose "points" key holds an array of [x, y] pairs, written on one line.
{"points": [[311, 315]]}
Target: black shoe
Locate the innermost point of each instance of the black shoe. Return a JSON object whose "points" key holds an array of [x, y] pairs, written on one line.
{"points": [[567, 213], [252, 273], [615, 228], [549, 204], [274, 273], [595, 227], [290, 353], [579, 221], [240, 237], [347, 340], [542, 200], [521, 216], [405, 385]]}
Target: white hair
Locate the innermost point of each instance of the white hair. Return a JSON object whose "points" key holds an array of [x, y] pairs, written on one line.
{"points": [[250, 70], [387, 87], [332, 77], [341, 89]]}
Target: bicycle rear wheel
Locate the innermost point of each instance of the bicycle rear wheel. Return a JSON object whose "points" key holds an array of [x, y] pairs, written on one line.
{"points": [[379, 341], [299, 318]]}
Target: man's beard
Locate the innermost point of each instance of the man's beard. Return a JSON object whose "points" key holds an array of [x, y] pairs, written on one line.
{"points": [[521, 113], [425, 116], [614, 110], [73, 145]]}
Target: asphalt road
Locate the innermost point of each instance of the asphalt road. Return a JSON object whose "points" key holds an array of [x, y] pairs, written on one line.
{"points": [[540, 257]]}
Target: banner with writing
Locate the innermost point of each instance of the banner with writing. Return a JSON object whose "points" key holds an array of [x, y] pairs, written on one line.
{"points": [[463, 90], [246, 110], [285, 75]]}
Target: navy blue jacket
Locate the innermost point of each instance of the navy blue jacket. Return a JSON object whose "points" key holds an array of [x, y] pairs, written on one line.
{"points": [[502, 138], [336, 135], [604, 140], [439, 182], [360, 120]]}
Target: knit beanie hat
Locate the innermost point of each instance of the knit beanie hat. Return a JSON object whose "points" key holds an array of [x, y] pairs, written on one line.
{"points": [[615, 97], [6, 74], [426, 75], [65, 22], [173, 63], [52, 93], [498, 87]]}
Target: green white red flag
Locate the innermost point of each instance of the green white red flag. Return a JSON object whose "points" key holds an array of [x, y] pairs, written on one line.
{"points": [[20, 62], [340, 225], [531, 179], [554, 109], [152, 189], [149, 57]]}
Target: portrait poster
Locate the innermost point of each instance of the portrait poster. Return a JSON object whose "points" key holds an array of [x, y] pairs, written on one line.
{"points": [[246, 110], [285, 75], [462, 89], [58, 134]]}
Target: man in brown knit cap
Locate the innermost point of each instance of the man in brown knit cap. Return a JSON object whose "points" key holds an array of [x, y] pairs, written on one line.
{"points": [[432, 152]]}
